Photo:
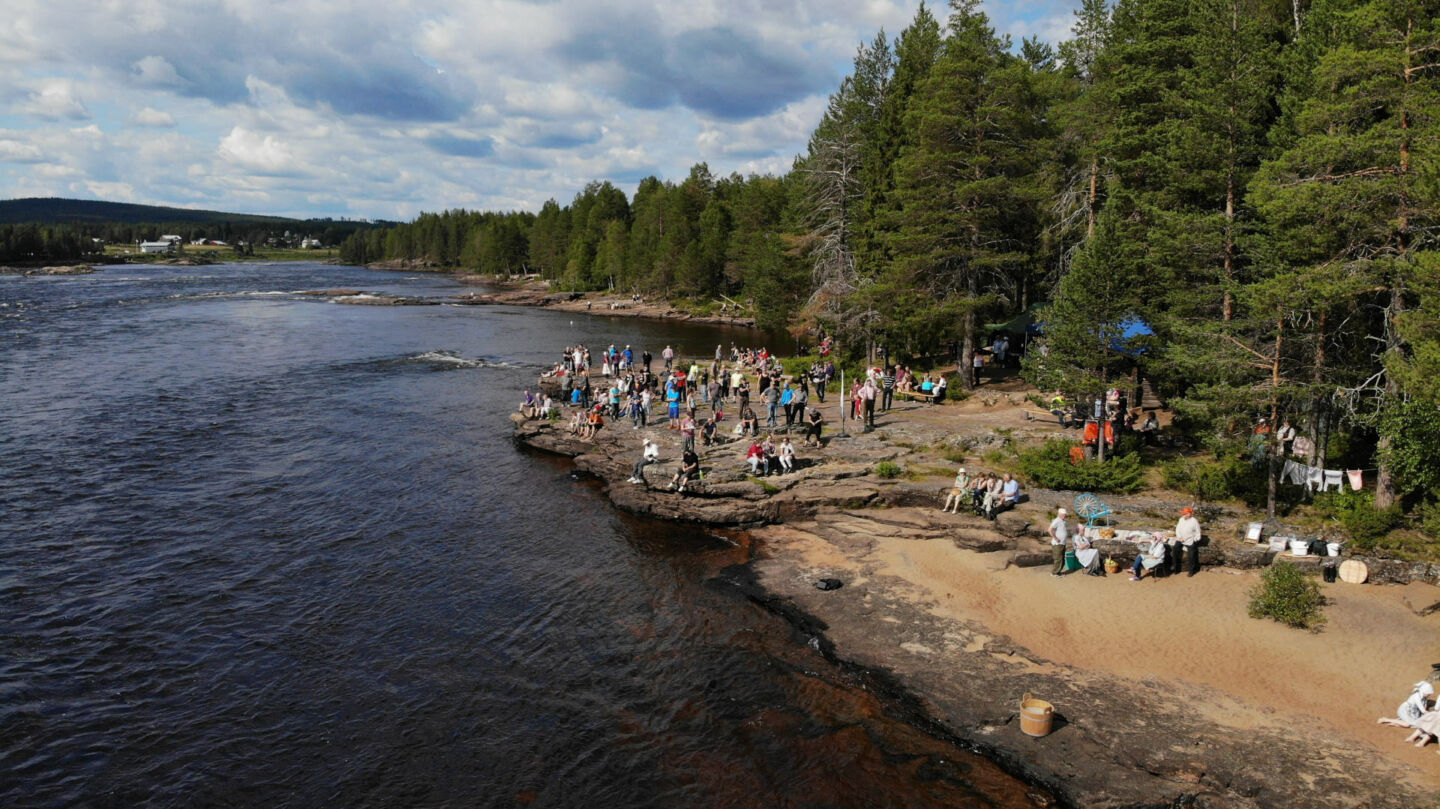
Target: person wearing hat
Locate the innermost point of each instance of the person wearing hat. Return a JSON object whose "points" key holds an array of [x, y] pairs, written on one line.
{"points": [[1059, 533], [958, 492], [1187, 538], [1412, 708]]}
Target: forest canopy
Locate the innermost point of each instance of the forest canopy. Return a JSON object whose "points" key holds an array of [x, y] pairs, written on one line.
{"points": [[1254, 181]]}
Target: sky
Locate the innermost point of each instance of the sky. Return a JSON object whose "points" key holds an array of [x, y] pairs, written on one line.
{"points": [[382, 109]]}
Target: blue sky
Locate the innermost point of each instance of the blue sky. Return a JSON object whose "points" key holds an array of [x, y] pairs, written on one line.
{"points": [[367, 109]]}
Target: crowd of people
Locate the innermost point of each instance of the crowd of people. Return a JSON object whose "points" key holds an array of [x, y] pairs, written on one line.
{"points": [[695, 395]]}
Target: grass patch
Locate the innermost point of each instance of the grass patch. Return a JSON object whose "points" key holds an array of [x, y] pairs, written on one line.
{"points": [[763, 484], [888, 469]]}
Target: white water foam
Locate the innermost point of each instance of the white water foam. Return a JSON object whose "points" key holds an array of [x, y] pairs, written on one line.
{"points": [[449, 358]]}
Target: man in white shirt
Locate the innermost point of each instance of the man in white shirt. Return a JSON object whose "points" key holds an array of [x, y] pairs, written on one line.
{"points": [[1059, 534], [1187, 538], [649, 455]]}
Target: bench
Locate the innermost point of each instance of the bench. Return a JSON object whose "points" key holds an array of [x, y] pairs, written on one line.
{"points": [[913, 394], [1034, 415]]}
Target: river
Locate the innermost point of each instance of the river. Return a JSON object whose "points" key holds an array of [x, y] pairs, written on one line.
{"points": [[261, 549]]}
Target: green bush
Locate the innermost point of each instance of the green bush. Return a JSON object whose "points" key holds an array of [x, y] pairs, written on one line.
{"points": [[1287, 595], [1429, 516], [794, 366], [1049, 467], [888, 469], [1216, 480], [1127, 444], [1356, 511]]}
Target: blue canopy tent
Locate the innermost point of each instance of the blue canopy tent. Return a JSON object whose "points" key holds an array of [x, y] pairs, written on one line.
{"points": [[1132, 328]]}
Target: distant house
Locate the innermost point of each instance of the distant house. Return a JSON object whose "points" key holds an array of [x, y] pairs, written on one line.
{"points": [[172, 239], [309, 244], [157, 247]]}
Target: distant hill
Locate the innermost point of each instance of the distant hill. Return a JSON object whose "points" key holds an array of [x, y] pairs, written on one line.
{"points": [[54, 210]]}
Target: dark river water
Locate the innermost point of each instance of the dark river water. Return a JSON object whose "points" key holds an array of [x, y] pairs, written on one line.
{"points": [[261, 549]]}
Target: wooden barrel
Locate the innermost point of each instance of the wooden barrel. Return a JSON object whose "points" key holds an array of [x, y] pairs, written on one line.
{"points": [[1036, 716]]}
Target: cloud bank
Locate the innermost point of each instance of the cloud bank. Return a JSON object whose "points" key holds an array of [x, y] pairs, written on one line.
{"points": [[383, 109]]}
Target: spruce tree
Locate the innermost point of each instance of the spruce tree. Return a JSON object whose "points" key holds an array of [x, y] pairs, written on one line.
{"points": [[1349, 191]]}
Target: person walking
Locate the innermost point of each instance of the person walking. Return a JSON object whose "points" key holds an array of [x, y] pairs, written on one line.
{"points": [[669, 356], [800, 402], [1059, 533], [887, 388]]}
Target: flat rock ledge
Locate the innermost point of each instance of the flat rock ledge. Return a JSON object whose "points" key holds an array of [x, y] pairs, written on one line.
{"points": [[1117, 743]]}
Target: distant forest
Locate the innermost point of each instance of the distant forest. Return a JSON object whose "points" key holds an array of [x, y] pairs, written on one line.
{"points": [[1253, 182], [52, 229]]}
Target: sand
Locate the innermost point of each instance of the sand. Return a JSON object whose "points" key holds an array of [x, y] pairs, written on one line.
{"points": [[1195, 630]]}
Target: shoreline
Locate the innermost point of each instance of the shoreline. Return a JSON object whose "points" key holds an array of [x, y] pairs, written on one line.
{"points": [[537, 293], [1126, 734]]}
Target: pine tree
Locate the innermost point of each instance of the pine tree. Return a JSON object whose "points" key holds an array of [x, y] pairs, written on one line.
{"points": [[1348, 190], [964, 212]]}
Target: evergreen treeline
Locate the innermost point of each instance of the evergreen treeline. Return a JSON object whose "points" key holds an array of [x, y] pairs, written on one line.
{"points": [[1236, 201]]}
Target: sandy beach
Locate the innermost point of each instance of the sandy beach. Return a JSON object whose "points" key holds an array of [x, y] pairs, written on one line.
{"points": [[1166, 689]]}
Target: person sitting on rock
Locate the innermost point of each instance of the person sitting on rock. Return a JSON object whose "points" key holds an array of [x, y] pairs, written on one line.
{"points": [[786, 451], [1151, 556], [978, 488], [755, 456], [958, 492], [772, 457], [1009, 492], [749, 423], [689, 469], [649, 454], [707, 432], [994, 493]]}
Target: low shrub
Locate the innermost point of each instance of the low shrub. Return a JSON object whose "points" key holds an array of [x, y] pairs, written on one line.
{"points": [[1287, 595], [1215, 480], [1356, 511], [1049, 467], [794, 366], [888, 469], [1429, 518]]}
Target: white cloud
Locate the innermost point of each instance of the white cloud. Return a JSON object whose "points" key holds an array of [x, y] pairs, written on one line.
{"points": [[155, 71], [15, 151], [257, 152], [383, 109], [54, 101], [153, 118]]}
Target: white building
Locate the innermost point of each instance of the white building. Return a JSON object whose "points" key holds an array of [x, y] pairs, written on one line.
{"points": [[310, 244], [157, 247]]}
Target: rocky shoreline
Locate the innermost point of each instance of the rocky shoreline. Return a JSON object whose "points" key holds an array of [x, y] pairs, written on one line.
{"points": [[538, 294], [1118, 742]]}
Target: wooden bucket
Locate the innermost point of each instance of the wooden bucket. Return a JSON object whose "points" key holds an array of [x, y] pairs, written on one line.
{"points": [[1036, 716]]}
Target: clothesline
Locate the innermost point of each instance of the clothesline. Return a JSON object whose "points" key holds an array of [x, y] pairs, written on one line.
{"points": [[1312, 476]]}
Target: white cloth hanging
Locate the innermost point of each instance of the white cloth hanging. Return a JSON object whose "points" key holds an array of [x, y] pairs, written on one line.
{"points": [[1333, 477], [1357, 479], [1292, 472], [1314, 476]]}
